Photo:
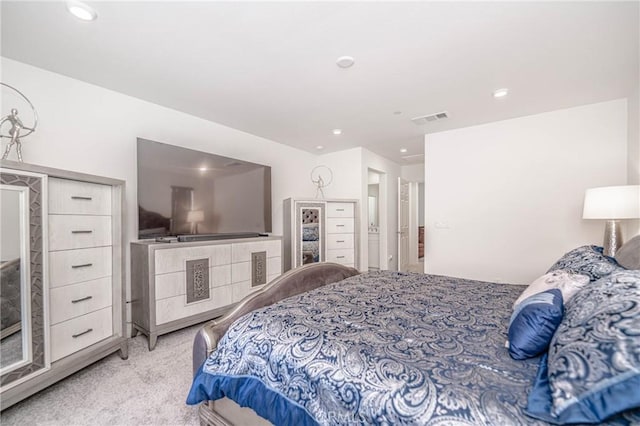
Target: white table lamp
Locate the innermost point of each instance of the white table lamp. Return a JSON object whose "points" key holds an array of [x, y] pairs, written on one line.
{"points": [[612, 203], [193, 217]]}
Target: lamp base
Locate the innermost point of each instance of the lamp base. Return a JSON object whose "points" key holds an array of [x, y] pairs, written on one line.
{"points": [[612, 237]]}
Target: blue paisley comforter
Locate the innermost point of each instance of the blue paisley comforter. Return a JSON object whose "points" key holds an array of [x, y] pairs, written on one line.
{"points": [[378, 348]]}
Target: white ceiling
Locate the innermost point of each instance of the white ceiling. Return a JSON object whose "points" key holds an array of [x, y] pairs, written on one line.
{"points": [[269, 68]]}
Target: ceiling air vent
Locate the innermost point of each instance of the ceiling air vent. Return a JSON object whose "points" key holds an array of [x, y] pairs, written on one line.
{"points": [[430, 118]]}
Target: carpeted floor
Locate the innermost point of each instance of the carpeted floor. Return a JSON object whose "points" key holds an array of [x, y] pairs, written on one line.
{"points": [[149, 388]]}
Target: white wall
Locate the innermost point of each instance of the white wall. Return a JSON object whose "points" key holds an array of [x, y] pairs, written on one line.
{"points": [[86, 128], [507, 196], [413, 172], [633, 149]]}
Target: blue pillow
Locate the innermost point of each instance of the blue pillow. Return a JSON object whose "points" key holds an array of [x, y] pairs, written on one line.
{"points": [[586, 260], [533, 323], [594, 357]]}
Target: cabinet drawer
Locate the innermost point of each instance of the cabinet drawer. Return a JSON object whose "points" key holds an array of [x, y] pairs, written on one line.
{"points": [[343, 256], [70, 336], [74, 266], [241, 252], [75, 197], [340, 209], [72, 231], [72, 301], [173, 260], [175, 308], [339, 226], [339, 241]]}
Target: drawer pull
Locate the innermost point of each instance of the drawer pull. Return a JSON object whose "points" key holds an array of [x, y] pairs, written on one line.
{"points": [[339, 210], [340, 226], [77, 197], [339, 241], [82, 299], [339, 257], [84, 265], [81, 232], [89, 330]]}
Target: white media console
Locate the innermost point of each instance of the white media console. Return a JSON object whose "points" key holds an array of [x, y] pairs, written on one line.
{"points": [[177, 284]]}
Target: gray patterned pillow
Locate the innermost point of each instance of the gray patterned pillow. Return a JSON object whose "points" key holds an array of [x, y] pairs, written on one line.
{"points": [[586, 260], [594, 356], [628, 256]]}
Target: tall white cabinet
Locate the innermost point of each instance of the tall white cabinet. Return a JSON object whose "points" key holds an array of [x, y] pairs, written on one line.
{"points": [[320, 231], [71, 274]]}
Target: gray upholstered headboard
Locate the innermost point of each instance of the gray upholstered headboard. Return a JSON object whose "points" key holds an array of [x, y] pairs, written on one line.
{"points": [[289, 284]]}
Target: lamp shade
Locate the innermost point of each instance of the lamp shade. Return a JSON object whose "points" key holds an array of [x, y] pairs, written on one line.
{"points": [[612, 202], [195, 216]]}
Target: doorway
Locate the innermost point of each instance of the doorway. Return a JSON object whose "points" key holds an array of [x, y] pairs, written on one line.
{"points": [[377, 220], [410, 226]]}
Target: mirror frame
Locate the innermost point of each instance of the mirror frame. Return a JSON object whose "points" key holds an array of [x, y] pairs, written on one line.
{"points": [[25, 273], [321, 230], [35, 185]]}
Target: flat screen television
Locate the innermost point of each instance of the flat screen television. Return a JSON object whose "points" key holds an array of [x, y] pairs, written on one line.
{"points": [[186, 192]]}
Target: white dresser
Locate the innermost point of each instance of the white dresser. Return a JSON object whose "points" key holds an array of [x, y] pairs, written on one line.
{"points": [[178, 284], [83, 296], [320, 231]]}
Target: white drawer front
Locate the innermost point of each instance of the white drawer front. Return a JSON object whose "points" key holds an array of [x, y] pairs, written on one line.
{"points": [[241, 271], [344, 257], [74, 266], [75, 197], [175, 308], [174, 283], [339, 241], [340, 209], [339, 226], [87, 329], [173, 260], [78, 299], [241, 252], [244, 288], [72, 232]]}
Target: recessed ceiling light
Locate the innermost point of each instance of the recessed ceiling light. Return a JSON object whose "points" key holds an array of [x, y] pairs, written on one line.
{"points": [[397, 112], [203, 169], [337, 131], [319, 147], [345, 61], [81, 11], [500, 93], [403, 150]]}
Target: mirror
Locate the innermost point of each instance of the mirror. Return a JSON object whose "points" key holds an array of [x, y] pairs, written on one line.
{"points": [[373, 205], [310, 220], [22, 286], [15, 338]]}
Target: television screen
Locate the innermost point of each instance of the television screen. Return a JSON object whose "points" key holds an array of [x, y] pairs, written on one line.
{"points": [[182, 191]]}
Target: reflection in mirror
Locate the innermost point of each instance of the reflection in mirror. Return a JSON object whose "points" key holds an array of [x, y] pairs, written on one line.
{"points": [[15, 336], [373, 192], [310, 235]]}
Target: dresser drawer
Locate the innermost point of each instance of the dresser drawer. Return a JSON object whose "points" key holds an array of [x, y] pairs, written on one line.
{"points": [[339, 226], [79, 299], [340, 209], [72, 232], [74, 197], [70, 336], [175, 259], [339, 241], [74, 266], [343, 256]]}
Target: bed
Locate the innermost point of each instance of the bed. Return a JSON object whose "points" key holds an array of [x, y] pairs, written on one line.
{"points": [[324, 344]]}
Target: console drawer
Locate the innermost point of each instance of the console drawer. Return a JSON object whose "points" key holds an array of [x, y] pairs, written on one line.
{"points": [[340, 210], [70, 336], [74, 266], [73, 231], [339, 241], [342, 256], [72, 301], [75, 197], [340, 226]]}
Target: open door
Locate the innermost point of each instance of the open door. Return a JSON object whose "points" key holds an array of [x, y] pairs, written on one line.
{"points": [[403, 224]]}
